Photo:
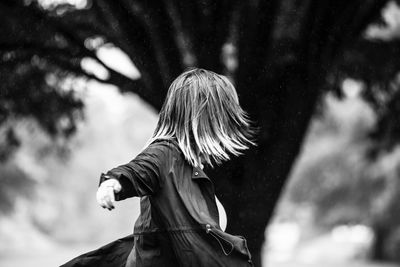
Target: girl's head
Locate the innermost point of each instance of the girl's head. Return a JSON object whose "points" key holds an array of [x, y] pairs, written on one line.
{"points": [[202, 112]]}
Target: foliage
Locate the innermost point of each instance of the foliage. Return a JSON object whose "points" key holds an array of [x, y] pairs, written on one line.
{"points": [[29, 92], [14, 183], [339, 182], [373, 60]]}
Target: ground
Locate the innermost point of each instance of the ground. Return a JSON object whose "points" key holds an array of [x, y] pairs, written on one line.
{"points": [[55, 258]]}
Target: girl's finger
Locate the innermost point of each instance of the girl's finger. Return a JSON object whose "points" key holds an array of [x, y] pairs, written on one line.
{"points": [[100, 197], [105, 204], [109, 197], [112, 196], [105, 197]]}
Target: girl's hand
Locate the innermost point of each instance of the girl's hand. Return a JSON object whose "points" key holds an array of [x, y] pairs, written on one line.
{"points": [[105, 193]]}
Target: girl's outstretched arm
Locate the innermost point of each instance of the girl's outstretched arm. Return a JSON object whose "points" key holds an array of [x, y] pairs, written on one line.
{"points": [[139, 177]]}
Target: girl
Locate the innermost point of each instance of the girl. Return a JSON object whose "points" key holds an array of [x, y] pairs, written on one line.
{"points": [[201, 123]]}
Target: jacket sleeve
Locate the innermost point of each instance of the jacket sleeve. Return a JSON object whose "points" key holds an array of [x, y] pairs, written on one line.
{"points": [[141, 176]]}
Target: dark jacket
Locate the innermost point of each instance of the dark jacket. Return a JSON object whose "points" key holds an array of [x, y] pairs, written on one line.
{"points": [[178, 223]]}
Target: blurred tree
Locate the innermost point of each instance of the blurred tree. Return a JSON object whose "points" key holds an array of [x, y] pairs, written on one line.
{"points": [[279, 54], [14, 183], [341, 184]]}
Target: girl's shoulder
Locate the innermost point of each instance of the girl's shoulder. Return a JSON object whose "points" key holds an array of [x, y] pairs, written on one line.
{"points": [[164, 153], [163, 146]]}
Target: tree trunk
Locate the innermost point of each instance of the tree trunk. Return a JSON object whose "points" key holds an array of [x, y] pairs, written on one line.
{"points": [[378, 252], [249, 186]]}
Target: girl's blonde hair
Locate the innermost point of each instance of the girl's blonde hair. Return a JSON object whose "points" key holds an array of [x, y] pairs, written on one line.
{"points": [[202, 112]]}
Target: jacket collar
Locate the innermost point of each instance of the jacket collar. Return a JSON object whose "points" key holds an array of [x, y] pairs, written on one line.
{"points": [[198, 173]]}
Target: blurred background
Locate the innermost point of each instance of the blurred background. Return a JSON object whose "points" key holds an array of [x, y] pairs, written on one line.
{"points": [[82, 83]]}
